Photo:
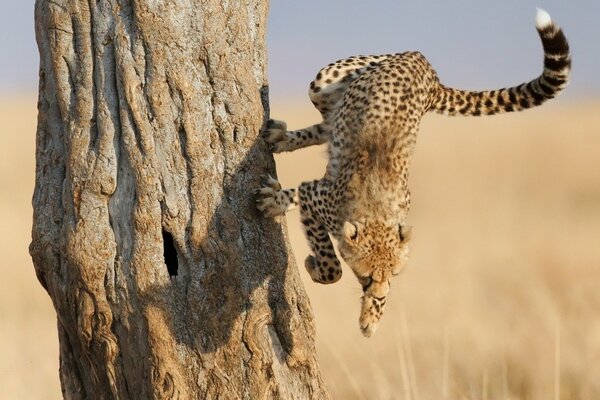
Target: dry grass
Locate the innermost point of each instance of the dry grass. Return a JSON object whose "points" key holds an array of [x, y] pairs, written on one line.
{"points": [[505, 261], [499, 300]]}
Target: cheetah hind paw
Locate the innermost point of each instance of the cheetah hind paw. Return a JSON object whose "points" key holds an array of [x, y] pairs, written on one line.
{"points": [[275, 135], [317, 272], [270, 197]]}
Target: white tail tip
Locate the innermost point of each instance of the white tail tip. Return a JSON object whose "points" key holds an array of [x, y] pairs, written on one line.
{"points": [[542, 19]]}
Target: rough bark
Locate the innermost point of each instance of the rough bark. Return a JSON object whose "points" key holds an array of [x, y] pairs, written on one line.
{"points": [[149, 113]]}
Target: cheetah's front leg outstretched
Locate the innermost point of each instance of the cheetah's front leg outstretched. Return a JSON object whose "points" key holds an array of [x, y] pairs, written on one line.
{"points": [[323, 265], [282, 140]]}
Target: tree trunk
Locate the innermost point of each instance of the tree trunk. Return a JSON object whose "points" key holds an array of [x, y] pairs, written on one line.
{"points": [[166, 281]]}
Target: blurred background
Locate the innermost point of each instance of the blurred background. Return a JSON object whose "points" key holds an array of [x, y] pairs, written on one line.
{"points": [[500, 298]]}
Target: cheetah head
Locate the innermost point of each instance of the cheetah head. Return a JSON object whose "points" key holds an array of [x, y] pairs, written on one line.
{"points": [[376, 252]]}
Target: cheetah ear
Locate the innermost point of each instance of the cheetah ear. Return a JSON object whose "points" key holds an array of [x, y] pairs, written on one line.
{"points": [[350, 231], [405, 232]]}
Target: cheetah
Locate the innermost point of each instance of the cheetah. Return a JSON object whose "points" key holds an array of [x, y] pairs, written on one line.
{"points": [[371, 108]]}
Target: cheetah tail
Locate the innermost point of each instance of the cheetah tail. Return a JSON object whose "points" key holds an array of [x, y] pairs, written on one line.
{"points": [[557, 65]]}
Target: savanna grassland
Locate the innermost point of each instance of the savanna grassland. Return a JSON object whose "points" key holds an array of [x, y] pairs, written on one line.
{"points": [[500, 299]]}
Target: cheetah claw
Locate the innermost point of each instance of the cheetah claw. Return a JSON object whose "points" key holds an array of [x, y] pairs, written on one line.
{"points": [[269, 197], [270, 182], [275, 135]]}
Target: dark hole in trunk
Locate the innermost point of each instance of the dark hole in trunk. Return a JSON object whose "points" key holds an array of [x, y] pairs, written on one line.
{"points": [[170, 253]]}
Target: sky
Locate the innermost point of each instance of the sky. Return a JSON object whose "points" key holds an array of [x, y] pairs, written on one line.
{"points": [[473, 44]]}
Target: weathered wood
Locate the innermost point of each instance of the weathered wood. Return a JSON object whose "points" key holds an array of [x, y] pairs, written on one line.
{"points": [[149, 113]]}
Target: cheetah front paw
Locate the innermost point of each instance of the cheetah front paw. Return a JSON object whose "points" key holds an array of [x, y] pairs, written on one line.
{"points": [[370, 314], [272, 200], [275, 135]]}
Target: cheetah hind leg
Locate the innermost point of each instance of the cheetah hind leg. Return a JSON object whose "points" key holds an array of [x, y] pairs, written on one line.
{"points": [[272, 200], [323, 265]]}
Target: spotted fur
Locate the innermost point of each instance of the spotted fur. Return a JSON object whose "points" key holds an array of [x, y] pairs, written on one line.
{"points": [[371, 108]]}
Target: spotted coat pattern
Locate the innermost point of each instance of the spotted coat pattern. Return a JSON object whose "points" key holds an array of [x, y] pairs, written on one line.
{"points": [[371, 108]]}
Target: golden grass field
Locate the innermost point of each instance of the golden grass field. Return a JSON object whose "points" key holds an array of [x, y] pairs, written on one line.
{"points": [[500, 299]]}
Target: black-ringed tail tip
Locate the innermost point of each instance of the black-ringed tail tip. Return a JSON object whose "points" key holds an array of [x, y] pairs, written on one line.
{"points": [[554, 78]]}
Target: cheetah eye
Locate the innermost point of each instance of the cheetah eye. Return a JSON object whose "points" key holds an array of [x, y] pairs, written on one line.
{"points": [[404, 232], [350, 230], [366, 282]]}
